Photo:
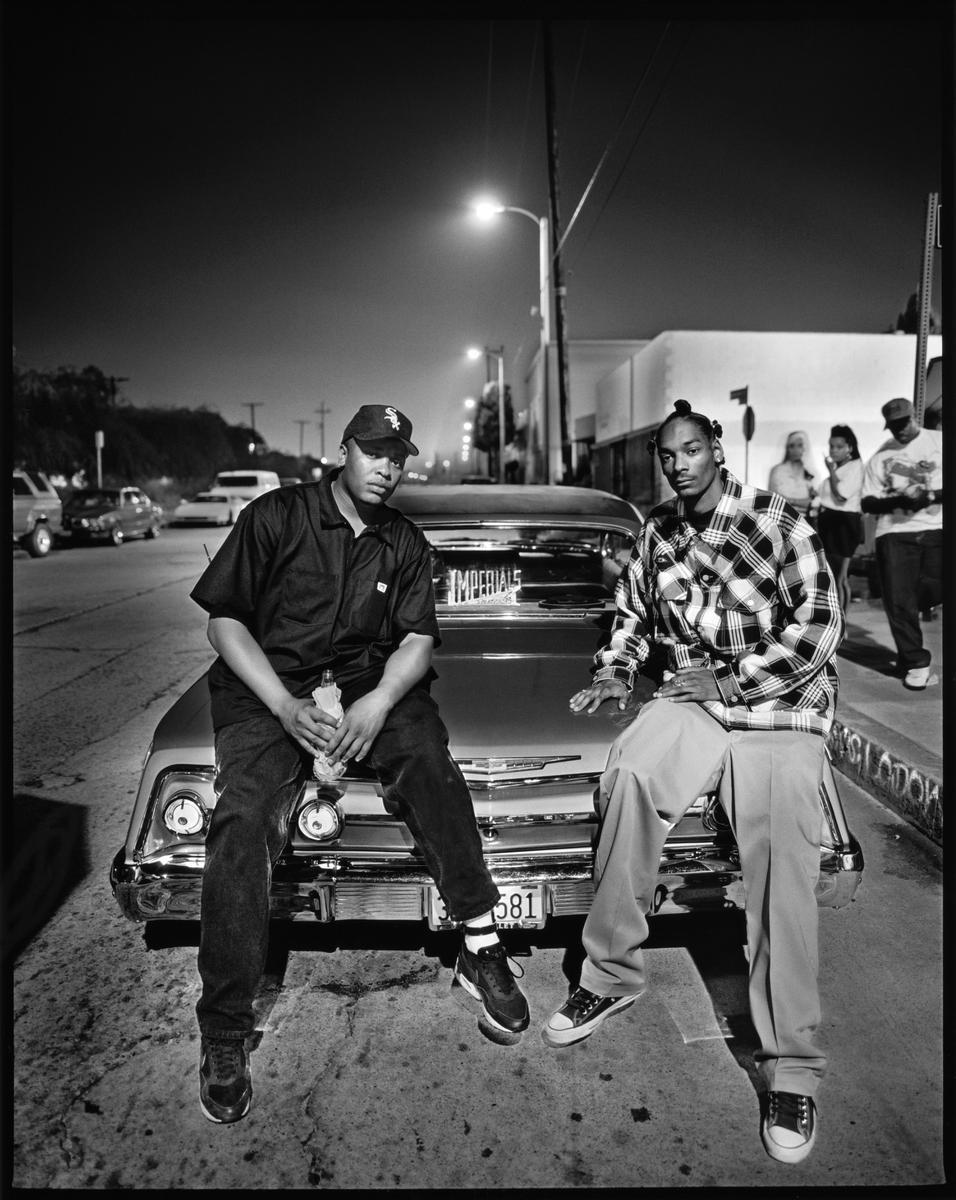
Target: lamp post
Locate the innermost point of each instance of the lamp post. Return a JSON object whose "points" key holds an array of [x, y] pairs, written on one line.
{"points": [[486, 209], [500, 356]]}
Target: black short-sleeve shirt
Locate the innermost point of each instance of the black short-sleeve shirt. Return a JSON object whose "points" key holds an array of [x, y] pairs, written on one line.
{"points": [[314, 595]]}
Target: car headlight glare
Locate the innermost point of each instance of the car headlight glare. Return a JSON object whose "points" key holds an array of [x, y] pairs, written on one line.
{"points": [[185, 814], [320, 820]]}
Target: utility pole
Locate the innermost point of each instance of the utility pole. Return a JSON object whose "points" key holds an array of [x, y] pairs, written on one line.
{"points": [[924, 297], [560, 311], [114, 380], [323, 411], [301, 424]]}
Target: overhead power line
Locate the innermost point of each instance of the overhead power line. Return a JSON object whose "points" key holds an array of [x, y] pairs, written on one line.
{"points": [[610, 146]]}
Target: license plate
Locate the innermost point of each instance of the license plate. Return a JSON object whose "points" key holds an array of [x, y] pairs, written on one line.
{"points": [[518, 908]]}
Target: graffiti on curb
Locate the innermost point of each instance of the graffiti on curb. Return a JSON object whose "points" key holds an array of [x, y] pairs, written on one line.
{"points": [[911, 792]]}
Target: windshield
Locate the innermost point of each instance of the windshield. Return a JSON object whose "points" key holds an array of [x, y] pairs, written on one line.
{"points": [[206, 498], [94, 499], [514, 564]]}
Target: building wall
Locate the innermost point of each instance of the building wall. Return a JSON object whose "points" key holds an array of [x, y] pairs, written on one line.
{"points": [[806, 381], [588, 363]]}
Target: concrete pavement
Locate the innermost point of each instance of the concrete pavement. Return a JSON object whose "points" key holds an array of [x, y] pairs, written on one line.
{"points": [[887, 738]]}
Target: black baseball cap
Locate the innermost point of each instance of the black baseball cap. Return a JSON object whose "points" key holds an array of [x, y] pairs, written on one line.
{"points": [[373, 422], [896, 410]]}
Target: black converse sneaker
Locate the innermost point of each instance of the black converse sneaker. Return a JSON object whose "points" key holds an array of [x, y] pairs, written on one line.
{"points": [[225, 1079], [580, 1015], [790, 1127], [487, 977]]}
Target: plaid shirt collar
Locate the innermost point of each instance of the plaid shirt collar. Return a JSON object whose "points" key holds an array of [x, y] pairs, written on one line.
{"points": [[680, 533]]}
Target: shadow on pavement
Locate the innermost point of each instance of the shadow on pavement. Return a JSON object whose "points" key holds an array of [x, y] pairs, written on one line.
{"points": [[45, 856], [714, 941], [861, 647]]}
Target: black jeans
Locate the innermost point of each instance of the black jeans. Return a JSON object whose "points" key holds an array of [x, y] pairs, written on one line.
{"points": [[911, 579], [259, 771]]}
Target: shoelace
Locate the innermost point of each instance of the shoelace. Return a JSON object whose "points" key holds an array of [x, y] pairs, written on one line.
{"points": [[224, 1057], [584, 1001], [510, 970], [787, 1108]]}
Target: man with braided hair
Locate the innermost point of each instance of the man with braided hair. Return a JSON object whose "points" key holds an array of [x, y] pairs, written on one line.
{"points": [[732, 584]]}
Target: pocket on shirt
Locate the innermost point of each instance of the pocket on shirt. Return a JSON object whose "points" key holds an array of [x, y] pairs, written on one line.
{"points": [[310, 599], [748, 596], [370, 611]]}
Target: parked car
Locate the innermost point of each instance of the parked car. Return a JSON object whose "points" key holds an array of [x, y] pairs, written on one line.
{"points": [[208, 508], [37, 512], [248, 484], [111, 513], [524, 580]]}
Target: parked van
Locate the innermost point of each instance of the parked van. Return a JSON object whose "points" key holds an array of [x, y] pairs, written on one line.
{"points": [[247, 484]]}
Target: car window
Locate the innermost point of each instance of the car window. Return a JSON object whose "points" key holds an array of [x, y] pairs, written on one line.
{"points": [[20, 486], [526, 563], [95, 498]]}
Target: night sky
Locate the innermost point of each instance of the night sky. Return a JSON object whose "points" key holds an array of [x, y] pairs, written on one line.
{"points": [[232, 208]]}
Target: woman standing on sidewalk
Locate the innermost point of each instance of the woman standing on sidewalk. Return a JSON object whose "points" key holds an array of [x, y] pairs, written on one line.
{"points": [[840, 522], [792, 478]]}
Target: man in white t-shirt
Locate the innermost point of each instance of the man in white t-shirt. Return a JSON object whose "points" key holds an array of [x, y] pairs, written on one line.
{"points": [[903, 485]]}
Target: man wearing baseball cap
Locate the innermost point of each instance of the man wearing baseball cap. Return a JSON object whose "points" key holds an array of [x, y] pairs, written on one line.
{"points": [[903, 486], [317, 577]]}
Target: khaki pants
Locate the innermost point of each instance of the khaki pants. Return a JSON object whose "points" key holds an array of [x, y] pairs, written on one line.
{"points": [[769, 787]]}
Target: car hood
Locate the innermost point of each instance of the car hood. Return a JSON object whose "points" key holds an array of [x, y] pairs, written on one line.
{"points": [[502, 691]]}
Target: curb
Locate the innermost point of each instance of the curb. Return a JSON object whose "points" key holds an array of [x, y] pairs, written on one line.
{"points": [[909, 791]]}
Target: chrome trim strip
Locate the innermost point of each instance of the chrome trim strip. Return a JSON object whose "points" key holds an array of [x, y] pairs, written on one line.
{"points": [[493, 785], [495, 763]]}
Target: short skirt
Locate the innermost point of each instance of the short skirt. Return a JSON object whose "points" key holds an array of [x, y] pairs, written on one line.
{"points": [[840, 532]]}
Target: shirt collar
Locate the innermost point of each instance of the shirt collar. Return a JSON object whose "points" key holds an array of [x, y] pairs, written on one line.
{"points": [[722, 517], [331, 517]]}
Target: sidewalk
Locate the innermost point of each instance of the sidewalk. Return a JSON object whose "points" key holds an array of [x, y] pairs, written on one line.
{"points": [[886, 738]]}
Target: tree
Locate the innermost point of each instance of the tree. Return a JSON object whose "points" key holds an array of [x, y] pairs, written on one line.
{"points": [[908, 320], [485, 435]]}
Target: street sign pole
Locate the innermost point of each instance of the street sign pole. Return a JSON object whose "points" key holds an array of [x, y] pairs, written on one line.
{"points": [[740, 395]]}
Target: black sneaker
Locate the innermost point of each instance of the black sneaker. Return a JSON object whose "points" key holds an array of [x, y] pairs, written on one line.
{"points": [[225, 1079], [580, 1015], [487, 976], [790, 1127]]}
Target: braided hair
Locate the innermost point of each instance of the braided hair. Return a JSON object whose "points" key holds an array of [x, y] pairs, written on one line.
{"points": [[711, 430]]}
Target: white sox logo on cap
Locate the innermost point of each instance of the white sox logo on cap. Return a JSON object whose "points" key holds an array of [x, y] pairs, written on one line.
{"points": [[392, 416]]}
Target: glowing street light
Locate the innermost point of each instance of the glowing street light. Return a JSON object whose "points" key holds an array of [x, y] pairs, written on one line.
{"points": [[487, 210]]}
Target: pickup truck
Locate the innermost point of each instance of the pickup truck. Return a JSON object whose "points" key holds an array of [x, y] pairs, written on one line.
{"points": [[37, 512]]}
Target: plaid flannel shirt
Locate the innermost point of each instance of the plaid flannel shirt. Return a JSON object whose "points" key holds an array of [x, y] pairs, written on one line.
{"points": [[751, 597]]}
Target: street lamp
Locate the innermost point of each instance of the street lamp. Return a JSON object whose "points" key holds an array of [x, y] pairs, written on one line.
{"points": [[485, 210], [474, 353]]}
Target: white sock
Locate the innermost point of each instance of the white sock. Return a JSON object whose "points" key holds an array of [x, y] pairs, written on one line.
{"points": [[475, 941]]}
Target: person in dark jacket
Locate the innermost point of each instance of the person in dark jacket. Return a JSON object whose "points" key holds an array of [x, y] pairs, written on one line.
{"points": [[317, 577]]}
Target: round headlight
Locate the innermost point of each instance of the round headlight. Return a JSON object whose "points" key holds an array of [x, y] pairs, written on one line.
{"points": [[185, 814], [320, 821]]}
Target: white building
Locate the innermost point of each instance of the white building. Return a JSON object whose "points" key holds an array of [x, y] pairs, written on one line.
{"points": [[806, 381]]}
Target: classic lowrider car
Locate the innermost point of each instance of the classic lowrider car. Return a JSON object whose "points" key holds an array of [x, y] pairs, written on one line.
{"points": [[524, 580]]}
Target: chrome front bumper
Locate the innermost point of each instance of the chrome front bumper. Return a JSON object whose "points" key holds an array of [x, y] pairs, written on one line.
{"points": [[334, 889]]}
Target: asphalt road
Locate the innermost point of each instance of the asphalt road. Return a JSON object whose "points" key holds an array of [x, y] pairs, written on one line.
{"points": [[371, 1070]]}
